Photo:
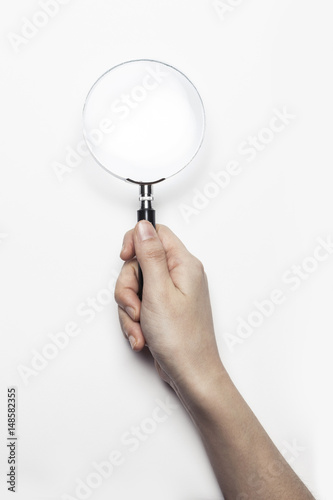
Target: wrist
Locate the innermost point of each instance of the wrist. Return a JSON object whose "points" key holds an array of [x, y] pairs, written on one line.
{"points": [[198, 390]]}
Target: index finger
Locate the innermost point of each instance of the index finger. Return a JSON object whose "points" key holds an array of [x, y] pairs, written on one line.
{"points": [[128, 251]]}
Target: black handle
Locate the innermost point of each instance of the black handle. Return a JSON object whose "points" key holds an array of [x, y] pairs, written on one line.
{"points": [[146, 212]]}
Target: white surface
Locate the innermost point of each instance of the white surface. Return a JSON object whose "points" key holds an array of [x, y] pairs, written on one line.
{"points": [[60, 240]]}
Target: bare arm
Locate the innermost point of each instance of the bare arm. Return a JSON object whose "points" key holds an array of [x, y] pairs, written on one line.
{"points": [[246, 463], [175, 321]]}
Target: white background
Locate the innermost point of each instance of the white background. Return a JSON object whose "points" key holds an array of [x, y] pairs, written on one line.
{"points": [[60, 241]]}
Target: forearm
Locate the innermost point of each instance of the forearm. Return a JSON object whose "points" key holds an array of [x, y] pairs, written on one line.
{"points": [[247, 464], [175, 320]]}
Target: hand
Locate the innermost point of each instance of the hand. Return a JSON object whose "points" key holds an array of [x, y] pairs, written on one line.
{"points": [[174, 318], [175, 321]]}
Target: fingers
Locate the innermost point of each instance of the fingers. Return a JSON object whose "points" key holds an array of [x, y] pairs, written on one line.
{"points": [[152, 258], [132, 330], [128, 252], [176, 255], [129, 305], [126, 290], [170, 242]]}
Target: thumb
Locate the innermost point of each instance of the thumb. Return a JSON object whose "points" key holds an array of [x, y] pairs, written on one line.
{"points": [[151, 257]]}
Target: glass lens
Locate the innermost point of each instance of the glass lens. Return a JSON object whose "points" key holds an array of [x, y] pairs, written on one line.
{"points": [[143, 121]]}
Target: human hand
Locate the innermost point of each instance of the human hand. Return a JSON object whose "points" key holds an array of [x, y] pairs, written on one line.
{"points": [[174, 318]]}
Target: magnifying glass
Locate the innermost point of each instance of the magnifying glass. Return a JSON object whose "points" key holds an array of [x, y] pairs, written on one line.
{"points": [[143, 122]]}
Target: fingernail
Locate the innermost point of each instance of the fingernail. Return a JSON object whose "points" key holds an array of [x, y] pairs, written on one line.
{"points": [[146, 230], [131, 312], [132, 341]]}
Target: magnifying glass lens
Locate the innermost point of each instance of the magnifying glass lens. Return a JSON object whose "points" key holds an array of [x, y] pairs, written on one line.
{"points": [[143, 121]]}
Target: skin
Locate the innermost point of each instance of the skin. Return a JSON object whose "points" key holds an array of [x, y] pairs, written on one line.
{"points": [[175, 321]]}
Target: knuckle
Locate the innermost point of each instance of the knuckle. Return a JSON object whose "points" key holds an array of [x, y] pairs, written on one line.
{"points": [[198, 271], [198, 266], [119, 292], [124, 280], [155, 253]]}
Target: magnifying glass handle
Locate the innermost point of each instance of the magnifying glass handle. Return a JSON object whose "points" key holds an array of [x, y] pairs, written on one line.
{"points": [[146, 212]]}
